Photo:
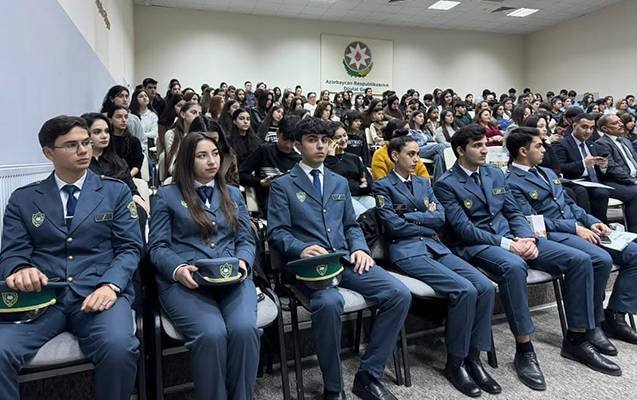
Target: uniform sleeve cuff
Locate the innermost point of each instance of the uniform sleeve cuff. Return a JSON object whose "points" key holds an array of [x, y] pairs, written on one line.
{"points": [[177, 269]]}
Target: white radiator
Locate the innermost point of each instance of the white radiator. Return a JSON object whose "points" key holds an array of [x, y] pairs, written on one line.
{"points": [[15, 176]]}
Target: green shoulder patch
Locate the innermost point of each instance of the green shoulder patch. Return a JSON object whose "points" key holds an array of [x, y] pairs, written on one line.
{"points": [[132, 209]]}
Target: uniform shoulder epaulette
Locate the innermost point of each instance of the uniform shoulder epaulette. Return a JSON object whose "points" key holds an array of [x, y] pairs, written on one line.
{"points": [[28, 185], [110, 178], [280, 175]]}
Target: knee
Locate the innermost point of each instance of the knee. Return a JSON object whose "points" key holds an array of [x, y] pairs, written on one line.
{"points": [[9, 358], [515, 269], [327, 301], [402, 296], [242, 330], [603, 261], [211, 336], [469, 293], [119, 348], [581, 260]]}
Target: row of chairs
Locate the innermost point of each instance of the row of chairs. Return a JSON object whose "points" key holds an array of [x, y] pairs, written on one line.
{"points": [[62, 355]]}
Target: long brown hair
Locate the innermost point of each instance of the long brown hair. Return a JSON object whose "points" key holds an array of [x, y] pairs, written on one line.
{"points": [[184, 177], [179, 132]]}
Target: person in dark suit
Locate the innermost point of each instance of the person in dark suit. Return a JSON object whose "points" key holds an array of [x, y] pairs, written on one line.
{"points": [[200, 217], [489, 231], [310, 213], [81, 228], [411, 217], [620, 168], [581, 159], [539, 191]]}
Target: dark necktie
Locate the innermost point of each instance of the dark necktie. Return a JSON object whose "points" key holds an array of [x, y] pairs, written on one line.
{"points": [[592, 175], [537, 173], [410, 186], [629, 153], [205, 193], [476, 179], [316, 181], [71, 202]]}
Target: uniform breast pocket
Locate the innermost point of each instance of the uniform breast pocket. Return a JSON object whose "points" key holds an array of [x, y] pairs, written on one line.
{"points": [[105, 217]]}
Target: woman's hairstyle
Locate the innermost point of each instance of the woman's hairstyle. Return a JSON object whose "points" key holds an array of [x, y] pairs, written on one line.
{"points": [[398, 142], [350, 117], [517, 115], [225, 119], [268, 121], [370, 110], [443, 123], [167, 117], [113, 92], [234, 134], [322, 106], [412, 119], [216, 105], [179, 131], [120, 168], [114, 108], [134, 103], [184, 178], [395, 126]]}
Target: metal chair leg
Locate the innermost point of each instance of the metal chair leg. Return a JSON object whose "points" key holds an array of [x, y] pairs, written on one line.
{"points": [[297, 350], [492, 358], [405, 355], [285, 379], [557, 287], [396, 359], [157, 359], [358, 332]]}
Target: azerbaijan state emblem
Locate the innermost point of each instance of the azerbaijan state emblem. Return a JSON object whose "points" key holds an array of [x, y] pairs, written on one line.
{"points": [[358, 59]]}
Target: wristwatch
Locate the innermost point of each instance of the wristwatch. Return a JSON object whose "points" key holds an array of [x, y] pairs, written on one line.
{"points": [[115, 288]]}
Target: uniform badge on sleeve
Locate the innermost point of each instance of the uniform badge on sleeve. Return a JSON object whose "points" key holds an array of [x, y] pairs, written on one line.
{"points": [[533, 195], [37, 219], [132, 209], [380, 201], [301, 196], [557, 181], [468, 203]]}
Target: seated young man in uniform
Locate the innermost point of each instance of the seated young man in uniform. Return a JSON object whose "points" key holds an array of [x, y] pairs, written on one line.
{"points": [[488, 230], [539, 191], [81, 228], [310, 213]]}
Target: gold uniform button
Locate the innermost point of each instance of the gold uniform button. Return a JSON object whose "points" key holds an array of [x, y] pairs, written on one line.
{"points": [[69, 257]]}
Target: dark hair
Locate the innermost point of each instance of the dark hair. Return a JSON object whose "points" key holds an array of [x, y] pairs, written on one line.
{"points": [[333, 126], [572, 112], [134, 103], [586, 116], [351, 116], [263, 129], [517, 115], [288, 124], [392, 127], [179, 132], [603, 121], [225, 119], [58, 126], [107, 103], [114, 108], [120, 168], [519, 138], [463, 136], [310, 126], [167, 117], [412, 119], [184, 176], [322, 106], [234, 136], [398, 143], [146, 82]]}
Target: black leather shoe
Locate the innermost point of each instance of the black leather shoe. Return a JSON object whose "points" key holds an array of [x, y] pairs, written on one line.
{"points": [[334, 396], [459, 377], [369, 388], [481, 377], [598, 339], [528, 369], [616, 327], [586, 354]]}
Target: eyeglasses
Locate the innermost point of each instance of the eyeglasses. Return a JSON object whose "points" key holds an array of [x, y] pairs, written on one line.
{"points": [[73, 147]]}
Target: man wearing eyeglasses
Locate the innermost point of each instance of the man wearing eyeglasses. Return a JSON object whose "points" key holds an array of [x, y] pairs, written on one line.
{"points": [[81, 228]]}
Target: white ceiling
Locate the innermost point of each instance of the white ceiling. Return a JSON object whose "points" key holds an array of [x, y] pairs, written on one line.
{"points": [[471, 15]]}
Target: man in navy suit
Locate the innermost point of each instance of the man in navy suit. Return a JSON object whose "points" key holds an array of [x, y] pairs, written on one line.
{"points": [[620, 170], [81, 228], [310, 213], [580, 159], [488, 230], [539, 191]]}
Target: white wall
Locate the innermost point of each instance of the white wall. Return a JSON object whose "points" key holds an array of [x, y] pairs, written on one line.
{"points": [[199, 46], [115, 46], [595, 52], [50, 66]]}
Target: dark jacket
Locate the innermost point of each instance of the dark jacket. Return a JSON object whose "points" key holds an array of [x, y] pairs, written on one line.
{"points": [[617, 170], [571, 158]]}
